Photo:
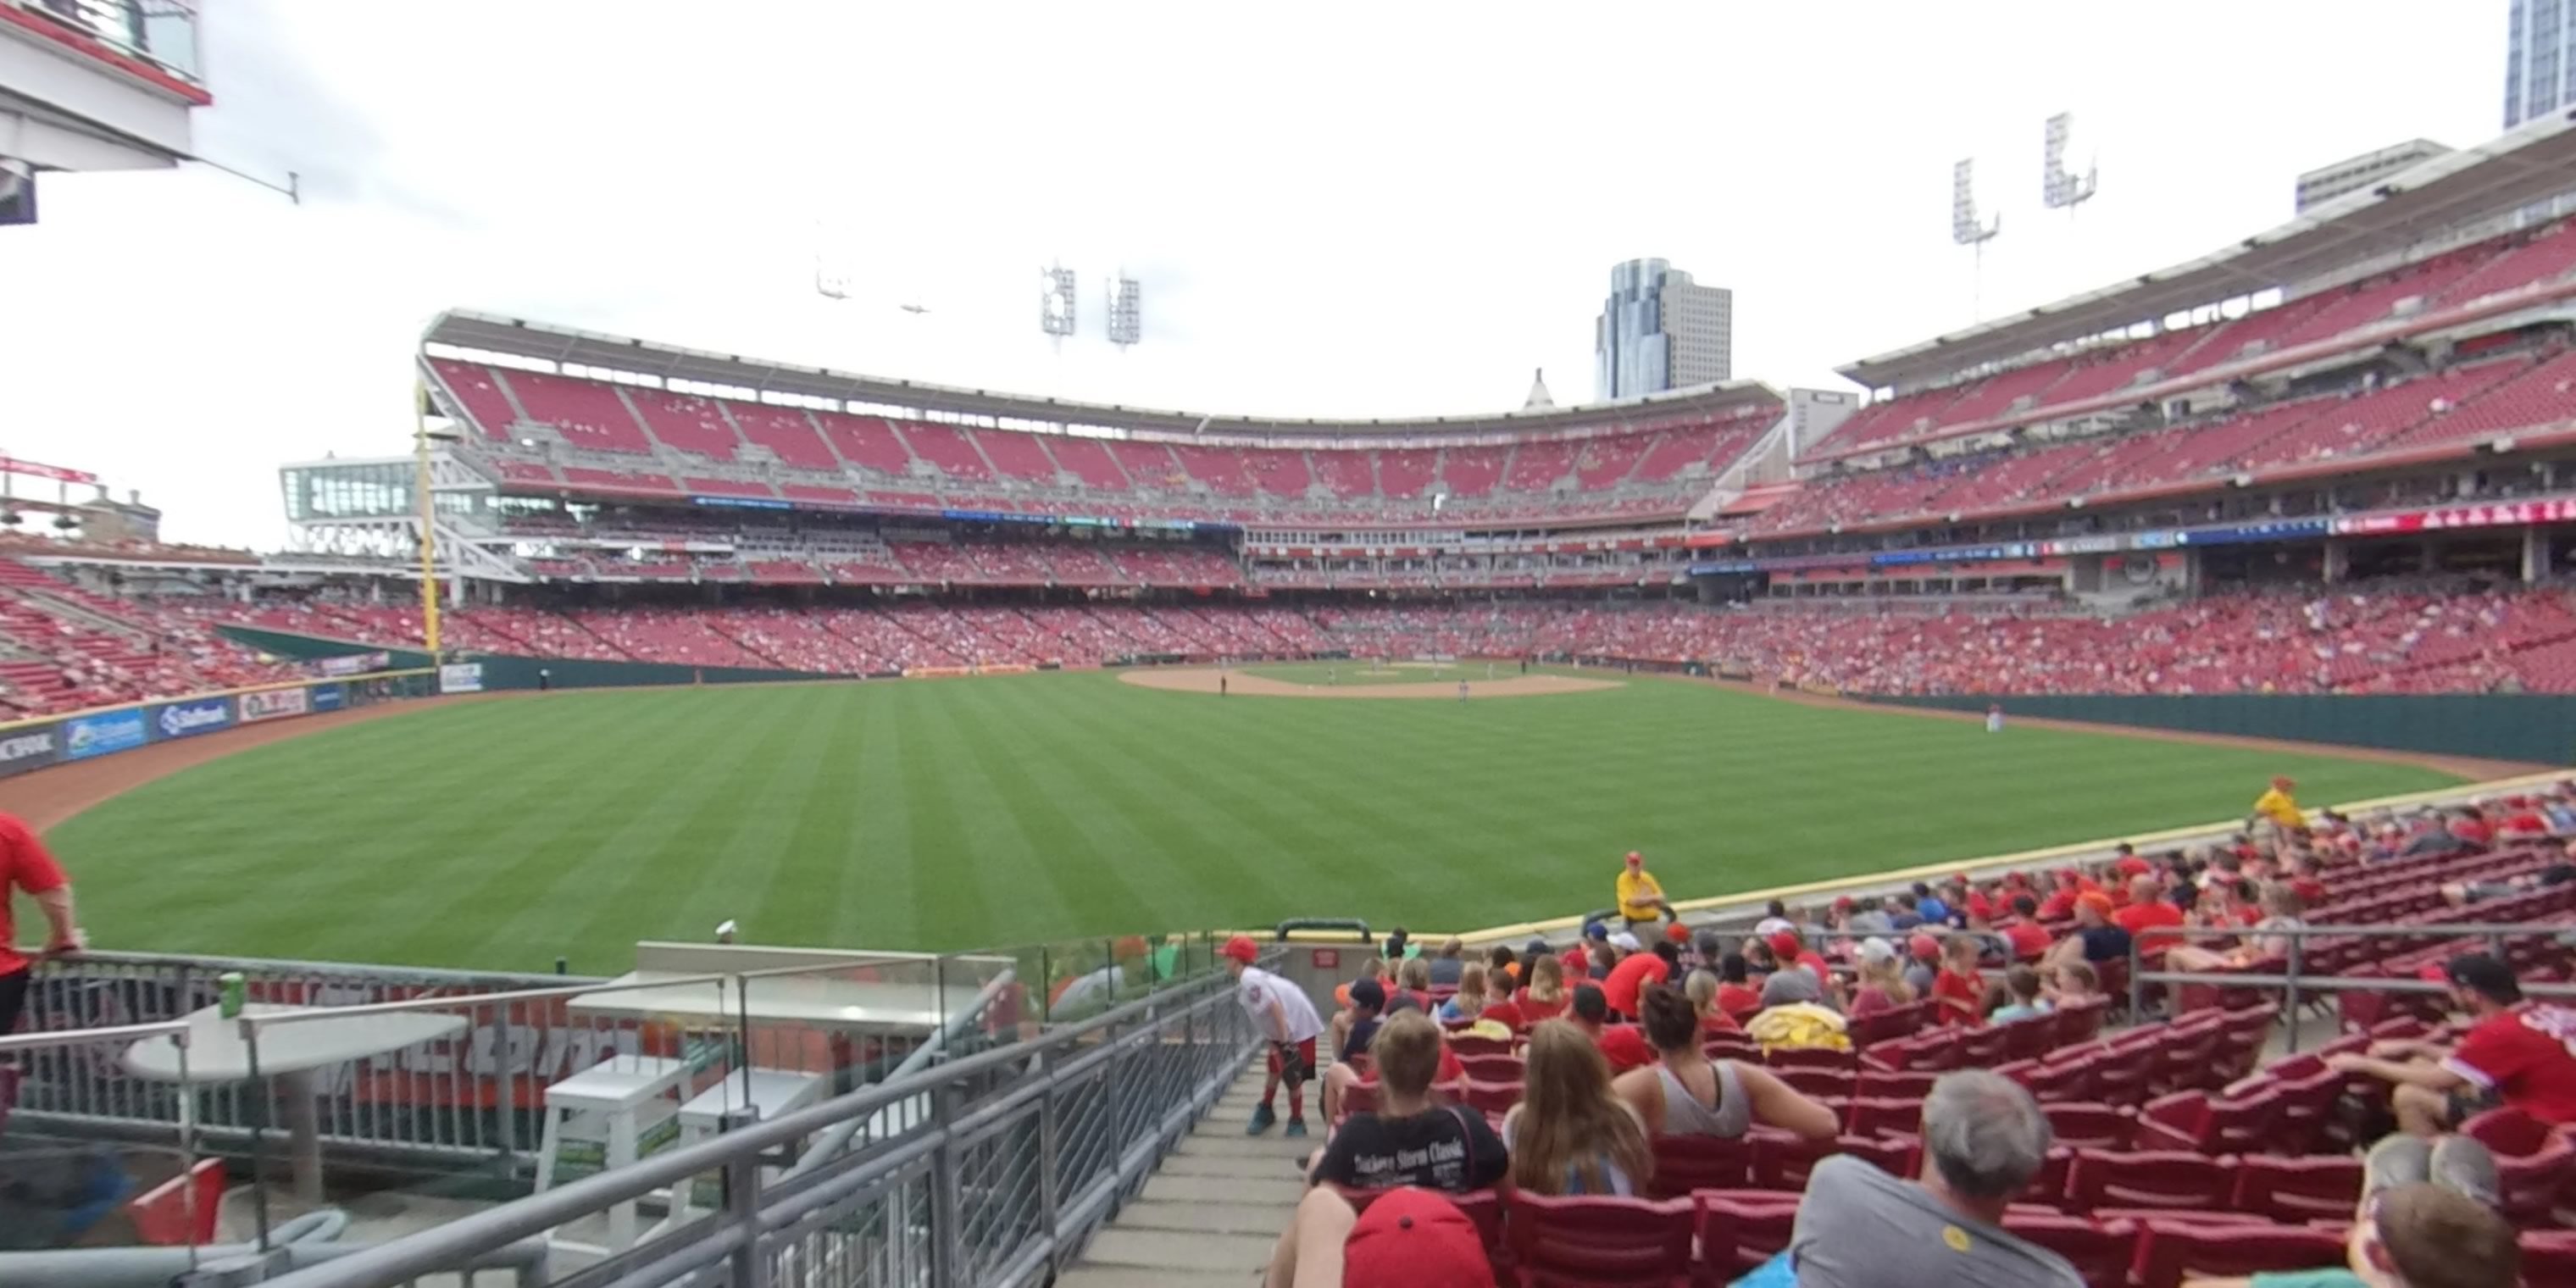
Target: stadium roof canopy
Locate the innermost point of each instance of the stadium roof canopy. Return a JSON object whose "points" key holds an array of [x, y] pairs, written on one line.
{"points": [[470, 330], [2456, 189]]}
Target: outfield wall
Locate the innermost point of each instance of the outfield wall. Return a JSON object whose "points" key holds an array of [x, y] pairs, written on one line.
{"points": [[30, 745], [2536, 728], [509, 671]]}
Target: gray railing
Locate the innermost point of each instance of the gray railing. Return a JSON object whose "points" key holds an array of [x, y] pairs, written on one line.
{"points": [[2298, 985], [1022, 1152]]}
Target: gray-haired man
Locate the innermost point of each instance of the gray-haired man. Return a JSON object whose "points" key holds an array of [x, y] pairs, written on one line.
{"points": [[1983, 1139]]}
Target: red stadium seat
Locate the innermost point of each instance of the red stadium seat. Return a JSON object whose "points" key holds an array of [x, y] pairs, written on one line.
{"points": [[1812, 1058], [2091, 1126], [2173, 1180], [2533, 1164], [1493, 1099], [1599, 1242], [1740, 1230], [1830, 1084], [1888, 1116], [2298, 1190], [1882, 1082], [2079, 1022], [2192, 1120], [1491, 1067], [2548, 1257], [1782, 1161], [2101, 1252], [1726, 1047], [1984, 1048], [2032, 1038], [2121, 1077], [2171, 1251], [1687, 1163]]}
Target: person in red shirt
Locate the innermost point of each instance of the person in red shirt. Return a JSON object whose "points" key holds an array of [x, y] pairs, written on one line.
{"points": [[26, 865], [2071, 886], [1736, 994], [2522, 818], [1790, 950], [2128, 864], [2304, 880], [2146, 912], [1543, 998], [2030, 941], [1959, 992], [1623, 1045], [2517, 1054], [1634, 972]]}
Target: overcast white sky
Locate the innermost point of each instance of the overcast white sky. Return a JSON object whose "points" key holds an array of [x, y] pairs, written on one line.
{"points": [[1360, 209]]}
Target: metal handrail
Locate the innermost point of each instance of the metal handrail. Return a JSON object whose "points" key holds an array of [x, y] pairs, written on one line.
{"points": [[441, 1246], [252, 1022], [110, 1033], [2292, 980]]}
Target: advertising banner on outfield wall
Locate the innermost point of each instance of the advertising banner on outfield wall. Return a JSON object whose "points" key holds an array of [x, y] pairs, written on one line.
{"points": [[330, 697], [192, 717], [25, 749], [273, 704], [460, 677], [356, 663], [99, 735]]}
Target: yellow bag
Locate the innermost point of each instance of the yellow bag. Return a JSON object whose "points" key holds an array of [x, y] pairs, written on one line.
{"points": [[1799, 1026]]}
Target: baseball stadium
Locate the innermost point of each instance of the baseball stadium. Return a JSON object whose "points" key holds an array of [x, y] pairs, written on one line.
{"points": [[2097, 784]]}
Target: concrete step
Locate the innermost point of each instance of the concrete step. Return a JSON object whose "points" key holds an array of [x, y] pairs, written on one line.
{"points": [[1182, 1187], [1236, 1254], [1089, 1276], [1205, 1217], [1229, 1165], [1234, 1144]]}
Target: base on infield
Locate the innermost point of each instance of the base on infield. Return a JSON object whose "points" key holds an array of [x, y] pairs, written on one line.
{"points": [[1204, 680]]}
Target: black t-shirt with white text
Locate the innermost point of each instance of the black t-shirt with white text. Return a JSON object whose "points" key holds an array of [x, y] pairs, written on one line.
{"points": [[1443, 1148]]}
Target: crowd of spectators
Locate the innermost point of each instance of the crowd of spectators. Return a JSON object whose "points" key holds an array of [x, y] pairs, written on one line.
{"points": [[1615, 1037]]}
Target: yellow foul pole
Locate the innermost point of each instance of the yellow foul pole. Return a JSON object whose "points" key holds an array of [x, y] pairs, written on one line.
{"points": [[428, 528]]}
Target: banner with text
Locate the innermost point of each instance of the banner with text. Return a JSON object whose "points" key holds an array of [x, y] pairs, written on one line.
{"points": [[273, 704]]}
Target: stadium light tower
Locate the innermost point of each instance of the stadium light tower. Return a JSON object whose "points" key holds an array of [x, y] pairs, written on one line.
{"points": [[1126, 310], [2060, 190], [1965, 228], [1055, 303]]}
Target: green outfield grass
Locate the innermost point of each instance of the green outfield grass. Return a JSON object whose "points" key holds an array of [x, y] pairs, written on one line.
{"points": [[1013, 809], [1361, 674]]}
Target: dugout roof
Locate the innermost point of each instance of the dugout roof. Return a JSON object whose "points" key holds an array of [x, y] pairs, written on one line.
{"points": [[471, 330], [2530, 164]]}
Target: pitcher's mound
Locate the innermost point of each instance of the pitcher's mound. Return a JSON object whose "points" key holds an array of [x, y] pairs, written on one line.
{"points": [[1203, 680]]}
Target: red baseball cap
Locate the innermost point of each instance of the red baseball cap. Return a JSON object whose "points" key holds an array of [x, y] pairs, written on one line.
{"points": [[2096, 900], [1635, 858], [1678, 933], [1413, 1238], [1785, 944], [1924, 947], [1242, 949]]}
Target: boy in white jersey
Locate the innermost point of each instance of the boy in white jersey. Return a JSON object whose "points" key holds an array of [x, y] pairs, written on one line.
{"points": [[1288, 1020]]}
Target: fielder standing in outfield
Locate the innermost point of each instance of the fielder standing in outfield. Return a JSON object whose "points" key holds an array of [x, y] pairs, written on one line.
{"points": [[26, 865], [1280, 1010], [1641, 897]]}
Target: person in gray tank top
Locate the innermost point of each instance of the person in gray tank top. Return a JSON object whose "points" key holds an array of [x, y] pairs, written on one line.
{"points": [[1684, 1093]]}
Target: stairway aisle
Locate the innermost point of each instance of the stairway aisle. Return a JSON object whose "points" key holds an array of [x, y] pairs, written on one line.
{"points": [[1209, 1215]]}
